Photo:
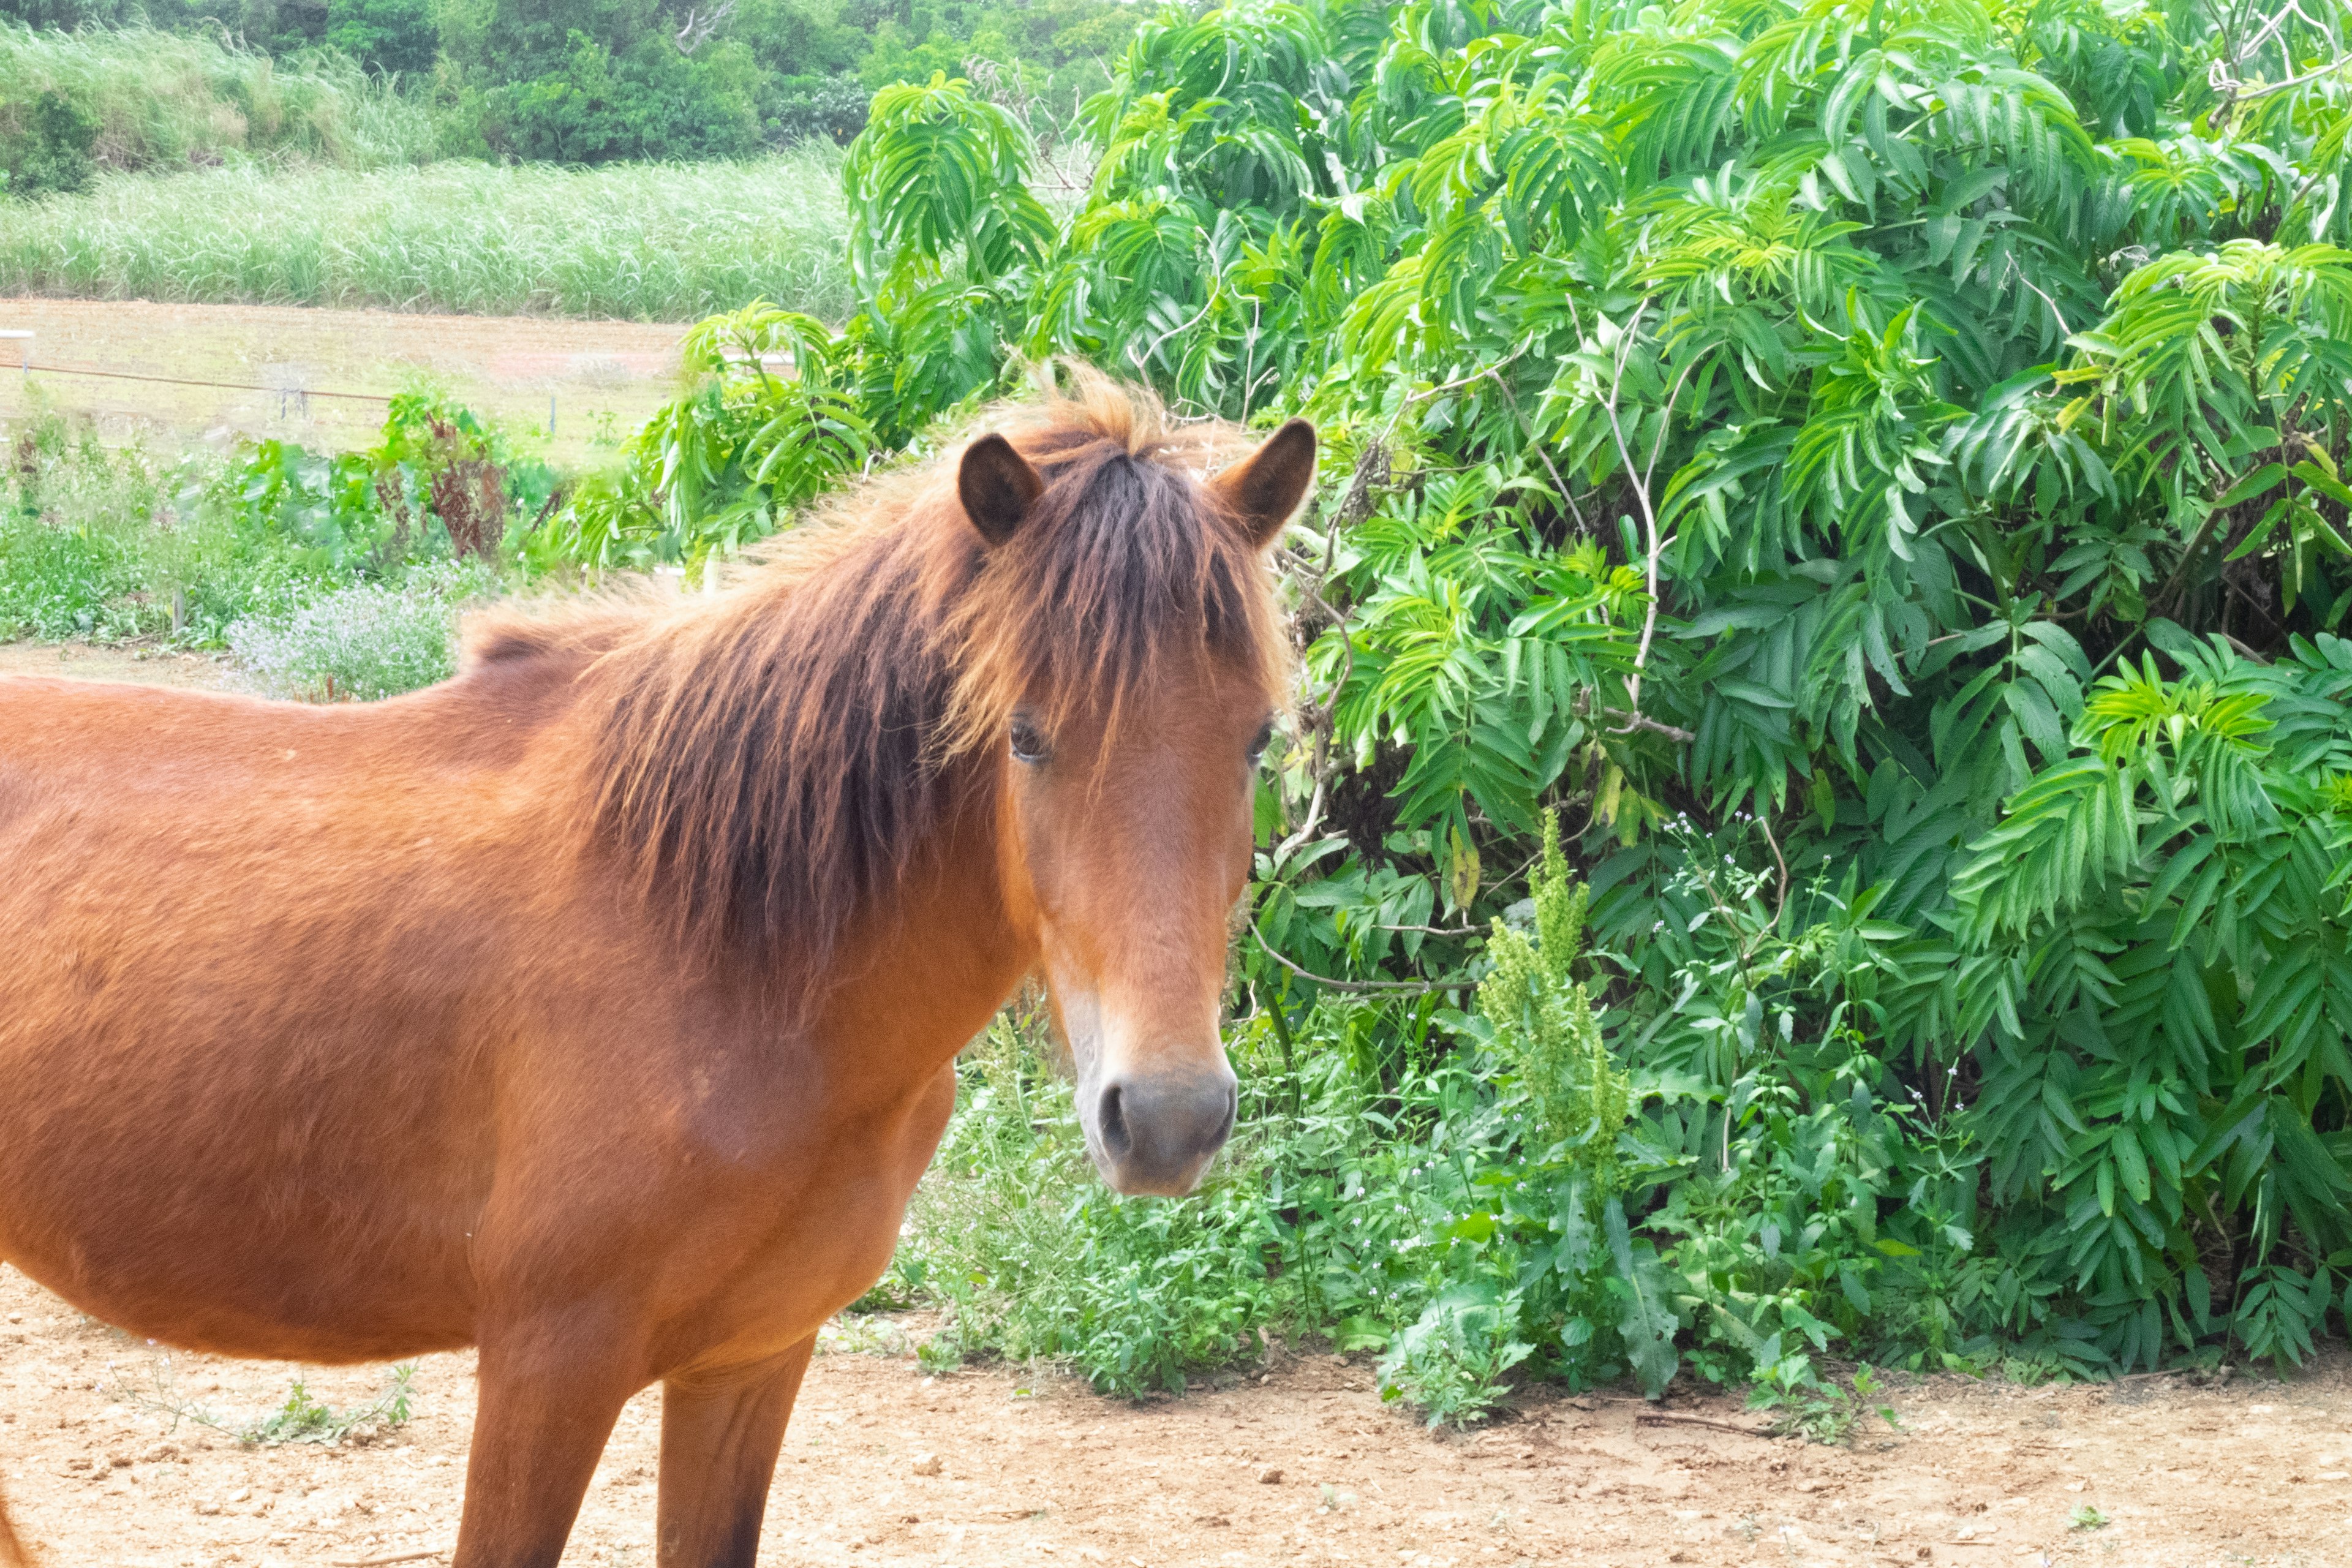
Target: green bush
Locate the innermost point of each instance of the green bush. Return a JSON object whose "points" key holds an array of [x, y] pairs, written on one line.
{"points": [[367, 641], [650, 103], [138, 99], [1879, 474], [50, 149], [108, 543]]}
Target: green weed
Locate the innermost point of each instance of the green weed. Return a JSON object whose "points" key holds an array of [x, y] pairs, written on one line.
{"points": [[301, 1417], [358, 644], [304, 1418]]}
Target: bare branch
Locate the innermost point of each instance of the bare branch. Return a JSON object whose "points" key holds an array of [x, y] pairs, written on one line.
{"points": [[1415, 987], [701, 22]]}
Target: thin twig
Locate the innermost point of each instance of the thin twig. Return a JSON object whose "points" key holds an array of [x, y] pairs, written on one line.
{"points": [[2239, 92], [1641, 494], [1417, 987], [1543, 451], [1644, 721], [1780, 902], [1670, 1419], [395, 1557], [1284, 850]]}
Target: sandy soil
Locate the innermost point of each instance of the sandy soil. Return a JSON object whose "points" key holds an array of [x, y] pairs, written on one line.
{"points": [[100, 661], [603, 376], [1301, 1464]]}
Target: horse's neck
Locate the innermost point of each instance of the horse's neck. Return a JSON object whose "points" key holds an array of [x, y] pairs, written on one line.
{"points": [[921, 978]]}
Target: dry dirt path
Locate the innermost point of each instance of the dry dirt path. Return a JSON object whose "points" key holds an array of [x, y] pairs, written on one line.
{"points": [[100, 661], [604, 376], [994, 1467]]}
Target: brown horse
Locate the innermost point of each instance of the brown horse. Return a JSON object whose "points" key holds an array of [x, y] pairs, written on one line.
{"points": [[597, 1007]]}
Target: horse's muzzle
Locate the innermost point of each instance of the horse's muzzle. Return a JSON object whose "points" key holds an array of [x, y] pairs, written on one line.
{"points": [[1156, 1132]]}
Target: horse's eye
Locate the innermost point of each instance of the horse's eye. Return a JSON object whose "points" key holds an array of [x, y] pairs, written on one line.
{"points": [[1028, 744], [1260, 741]]}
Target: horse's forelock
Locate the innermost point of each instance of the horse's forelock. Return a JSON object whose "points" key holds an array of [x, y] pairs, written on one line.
{"points": [[770, 761]]}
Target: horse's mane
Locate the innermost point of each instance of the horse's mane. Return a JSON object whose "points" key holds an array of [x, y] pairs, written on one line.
{"points": [[769, 760]]}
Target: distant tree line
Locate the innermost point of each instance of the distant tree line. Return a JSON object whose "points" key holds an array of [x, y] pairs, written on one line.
{"points": [[593, 81]]}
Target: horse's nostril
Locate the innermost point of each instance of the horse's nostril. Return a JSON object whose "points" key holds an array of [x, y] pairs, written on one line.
{"points": [[1116, 1139]]}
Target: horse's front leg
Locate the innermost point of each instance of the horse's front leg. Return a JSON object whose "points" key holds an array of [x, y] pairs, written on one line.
{"points": [[552, 1386], [720, 1440]]}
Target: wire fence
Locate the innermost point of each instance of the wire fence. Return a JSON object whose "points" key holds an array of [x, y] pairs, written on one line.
{"points": [[283, 392]]}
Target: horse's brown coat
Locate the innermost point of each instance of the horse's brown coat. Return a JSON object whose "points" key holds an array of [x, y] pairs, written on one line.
{"points": [[596, 1007]]}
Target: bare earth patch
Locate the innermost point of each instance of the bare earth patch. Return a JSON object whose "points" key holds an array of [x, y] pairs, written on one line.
{"points": [[997, 1466], [100, 661], [605, 377]]}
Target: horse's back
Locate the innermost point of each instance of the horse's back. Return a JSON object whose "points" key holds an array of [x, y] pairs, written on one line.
{"points": [[257, 953]]}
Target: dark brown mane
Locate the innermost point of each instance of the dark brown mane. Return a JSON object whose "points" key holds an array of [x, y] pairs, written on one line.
{"points": [[770, 759]]}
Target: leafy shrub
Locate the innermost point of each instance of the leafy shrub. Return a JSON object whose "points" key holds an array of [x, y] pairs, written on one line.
{"points": [[108, 543], [140, 98], [651, 102], [367, 641], [52, 151], [767, 427], [1451, 1362], [1880, 473]]}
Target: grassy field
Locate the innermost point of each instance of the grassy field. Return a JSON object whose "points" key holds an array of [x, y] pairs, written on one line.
{"points": [[170, 101], [644, 243], [604, 377]]}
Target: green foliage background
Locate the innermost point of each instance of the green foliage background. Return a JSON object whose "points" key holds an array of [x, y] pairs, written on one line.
{"points": [[1874, 471], [1817, 821], [360, 82]]}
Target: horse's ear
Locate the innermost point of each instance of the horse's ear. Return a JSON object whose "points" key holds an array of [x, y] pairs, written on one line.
{"points": [[997, 486], [1263, 488]]}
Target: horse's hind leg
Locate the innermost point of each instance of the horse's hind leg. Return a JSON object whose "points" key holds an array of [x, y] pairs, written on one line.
{"points": [[719, 1447], [550, 1394], [11, 1551]]}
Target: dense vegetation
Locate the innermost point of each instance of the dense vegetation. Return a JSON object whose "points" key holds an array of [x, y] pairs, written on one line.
{"points": [[582, 81], [1874, 473], [72, 105], [329, 575], [1820, 819], [648, 242]]}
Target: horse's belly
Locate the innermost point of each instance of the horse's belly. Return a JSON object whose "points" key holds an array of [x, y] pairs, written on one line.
{"points": [[332, 1320]]}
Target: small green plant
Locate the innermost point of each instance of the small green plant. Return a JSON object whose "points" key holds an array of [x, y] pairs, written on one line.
{"points": [[2087, 1516], [1806, 1404], [305, 1418], [1544, 1024], [361, 643], [943, 1353], [302, 1417], [1450, 1363]]}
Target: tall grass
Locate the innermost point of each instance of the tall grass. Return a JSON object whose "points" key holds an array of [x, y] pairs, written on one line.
{"points": [[172, 101], [641, 242]]}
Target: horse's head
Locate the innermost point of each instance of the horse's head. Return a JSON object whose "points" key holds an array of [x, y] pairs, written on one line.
{"points": [[1132, 713]]}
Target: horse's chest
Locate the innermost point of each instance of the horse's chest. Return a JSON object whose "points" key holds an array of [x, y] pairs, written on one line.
{"points": [[825, 1232]]}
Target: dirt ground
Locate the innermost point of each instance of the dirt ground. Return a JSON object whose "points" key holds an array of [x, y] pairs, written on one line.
{"points": [[98, 661], [604, 377], [997, 1466]]}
